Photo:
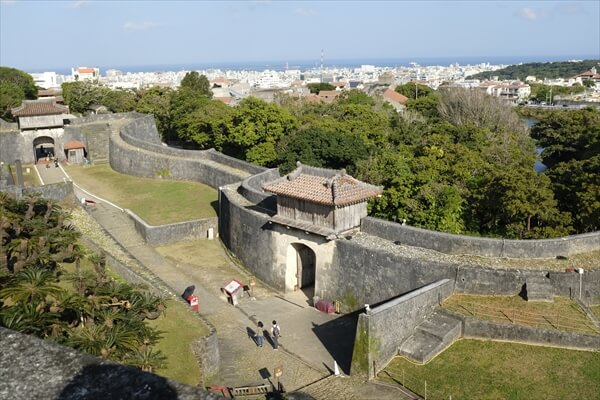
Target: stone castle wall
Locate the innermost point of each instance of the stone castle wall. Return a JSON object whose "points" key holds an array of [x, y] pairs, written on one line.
{"points": [[133, 152], [388, 325], [460, 244], [169, 233], [244, 211]]}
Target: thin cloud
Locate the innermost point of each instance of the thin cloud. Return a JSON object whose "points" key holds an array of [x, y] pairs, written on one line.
{"points": [[140, 26], [530, 14], [305, 12]]}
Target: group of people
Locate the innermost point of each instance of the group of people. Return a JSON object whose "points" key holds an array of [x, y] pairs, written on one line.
{"points": [[275, 334], [49, 158]]}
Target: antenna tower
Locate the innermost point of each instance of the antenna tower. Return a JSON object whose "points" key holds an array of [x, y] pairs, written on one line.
{"points": [[322, 54]]}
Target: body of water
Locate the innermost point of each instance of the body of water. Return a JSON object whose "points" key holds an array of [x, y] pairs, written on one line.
{"points": [[280, 65]]}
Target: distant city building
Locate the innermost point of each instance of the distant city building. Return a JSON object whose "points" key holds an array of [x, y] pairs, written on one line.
{"points": [[113, 73], [85, 74], [591, 75], [515, 91], [47, 80]]}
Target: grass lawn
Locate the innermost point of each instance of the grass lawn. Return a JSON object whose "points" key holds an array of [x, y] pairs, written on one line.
{"points": [[562, 313], [472, 369], [179, 329], [30, 178], [596, 310], [157, 201]]}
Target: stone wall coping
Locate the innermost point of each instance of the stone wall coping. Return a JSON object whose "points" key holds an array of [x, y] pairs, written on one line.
{"points": [[450, 243], [410, 296]]}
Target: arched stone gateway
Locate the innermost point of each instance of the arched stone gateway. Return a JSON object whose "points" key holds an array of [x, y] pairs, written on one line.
{"points": [[43, 146], [301, 260]]}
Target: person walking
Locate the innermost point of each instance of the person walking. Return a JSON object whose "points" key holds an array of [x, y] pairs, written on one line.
{"points": [[260, 336], [275, 334]]}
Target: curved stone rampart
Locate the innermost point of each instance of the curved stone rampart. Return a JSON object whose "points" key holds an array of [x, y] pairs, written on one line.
{"points": [[143, 159], [251, 189], [460, 244], [137, 150]]}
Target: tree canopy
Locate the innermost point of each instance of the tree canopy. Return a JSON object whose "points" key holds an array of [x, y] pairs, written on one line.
{"points": [[15, 86], [455, 160], [317, 87], [571, 151], [195, 84], [548, 70]]}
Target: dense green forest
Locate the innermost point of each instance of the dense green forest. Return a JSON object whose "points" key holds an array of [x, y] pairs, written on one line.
{"points": [[548, 70], [83, 308], [15, 86], [455, 160]]}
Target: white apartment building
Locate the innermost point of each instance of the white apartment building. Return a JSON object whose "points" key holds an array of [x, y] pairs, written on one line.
{"points": [[47, 80], [85, 74]]}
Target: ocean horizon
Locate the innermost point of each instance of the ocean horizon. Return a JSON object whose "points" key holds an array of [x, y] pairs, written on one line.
{"points": [[305, 65]]}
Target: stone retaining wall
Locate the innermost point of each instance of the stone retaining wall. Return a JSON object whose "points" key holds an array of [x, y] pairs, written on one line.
{"points": [[12, 147], [479, 329], [169, 233], [206, 350], [54, 191], [460, 244], [382, 330]]}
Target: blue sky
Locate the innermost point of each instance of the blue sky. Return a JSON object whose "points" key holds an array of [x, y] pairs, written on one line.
{"points": [[38, 35]]}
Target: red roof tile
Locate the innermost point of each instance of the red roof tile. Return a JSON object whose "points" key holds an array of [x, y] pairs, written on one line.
{"points": [[30, 108], [86, 70], [395, 96], [74, 144], [322, 186]]}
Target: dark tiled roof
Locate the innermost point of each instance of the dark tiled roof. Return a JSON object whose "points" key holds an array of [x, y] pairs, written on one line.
{"points": [[322, 186], [31, 108]]}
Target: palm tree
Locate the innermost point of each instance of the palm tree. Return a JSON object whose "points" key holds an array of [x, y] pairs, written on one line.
{"points": [[146, 359], [88, 338], [29, 319], [31, 285]]}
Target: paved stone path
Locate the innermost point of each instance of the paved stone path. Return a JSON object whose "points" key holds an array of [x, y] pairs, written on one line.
{"points": [[304, 356]]}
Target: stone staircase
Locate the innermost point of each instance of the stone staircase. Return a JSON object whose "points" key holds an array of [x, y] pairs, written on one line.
{"points": [[539, 288], [432, 337]]}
